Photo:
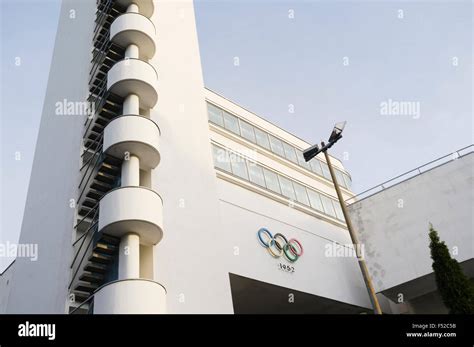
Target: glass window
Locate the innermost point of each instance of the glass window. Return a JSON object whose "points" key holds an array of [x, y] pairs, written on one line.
{"points": [[290, 153], [287, 188], [248, 170], [315, 200], [328, 207], [301, 161], [262, 138], [271, 181], [340, 178], [239, 167], [348, 181], [338, 209], [215, 114], [247, 131], [325, 169], [277, 146], [316, 167], [301, 195], [231, 123], [256, 174], [221, 158]]}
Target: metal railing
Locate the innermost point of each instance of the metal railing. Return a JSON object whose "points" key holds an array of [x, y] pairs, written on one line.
{"points": [[412, 173], [98, 95], [90, 171], [89, 300], [102, 45], [100, 100], [94, 228], [103, 14]]}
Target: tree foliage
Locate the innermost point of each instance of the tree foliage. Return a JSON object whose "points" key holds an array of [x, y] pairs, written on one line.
{"points": [[453, 285]]}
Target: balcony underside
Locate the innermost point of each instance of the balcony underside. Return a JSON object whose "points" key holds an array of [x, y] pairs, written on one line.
{"points": [[136, 210], [136, 135], [136, 29]]}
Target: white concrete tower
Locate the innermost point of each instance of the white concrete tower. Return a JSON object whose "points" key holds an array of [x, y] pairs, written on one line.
{"points": [[133, 212], [126, 214], [95, 202], [99, 230]]}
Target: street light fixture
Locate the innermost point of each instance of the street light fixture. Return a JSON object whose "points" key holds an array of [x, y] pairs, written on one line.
{"points": [[337, 132], [309, 154]]}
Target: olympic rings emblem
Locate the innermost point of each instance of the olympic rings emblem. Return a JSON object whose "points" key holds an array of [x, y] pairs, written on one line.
{"points": [[278, 245]]}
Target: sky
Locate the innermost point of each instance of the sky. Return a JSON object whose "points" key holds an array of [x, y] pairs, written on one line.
{"points": [[399, 72]]}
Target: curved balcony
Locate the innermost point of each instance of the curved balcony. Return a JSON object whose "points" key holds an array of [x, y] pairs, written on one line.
{"points": [[132, 209], [135, 134], [134, 76], [134, 28], [131, 296], [146, 7]]}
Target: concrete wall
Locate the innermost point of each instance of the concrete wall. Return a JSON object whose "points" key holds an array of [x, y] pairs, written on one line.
{"points": [[207, 219], [430, 303], [5, 281], [188, 259], [41, 286], [243, 213], [393, 225]]}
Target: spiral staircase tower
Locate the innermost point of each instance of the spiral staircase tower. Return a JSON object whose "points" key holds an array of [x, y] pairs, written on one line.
{"points": [[119, 215]]}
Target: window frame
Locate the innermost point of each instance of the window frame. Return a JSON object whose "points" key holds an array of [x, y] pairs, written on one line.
{"points": [[303, 189], [215, 158], [266, 181], [277, 140], [252, 128], [340, 178], [240, 160], [338, 210], [324, 169], [261, 132], [283, 179], [231, 116], [209, 112], [318, 196], [255, 165], [263, 139], [323, 197], [292, 150]]}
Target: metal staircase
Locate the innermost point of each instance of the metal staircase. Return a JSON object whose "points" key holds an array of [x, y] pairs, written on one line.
{"points": [[96, 253], [95, 271]]}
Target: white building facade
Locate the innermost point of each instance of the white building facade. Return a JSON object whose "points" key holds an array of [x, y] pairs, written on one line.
{"points": [[167, 197], [393, 225]]}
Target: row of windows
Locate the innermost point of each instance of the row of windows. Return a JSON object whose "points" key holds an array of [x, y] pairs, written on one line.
{"points": [[263, 139], [252, 172]]}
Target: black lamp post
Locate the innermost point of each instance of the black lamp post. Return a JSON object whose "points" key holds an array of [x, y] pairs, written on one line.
{"points": [[308, 155]]}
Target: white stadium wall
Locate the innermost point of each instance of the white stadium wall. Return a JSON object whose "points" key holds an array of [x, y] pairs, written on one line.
{"points": [[394, 224]]}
